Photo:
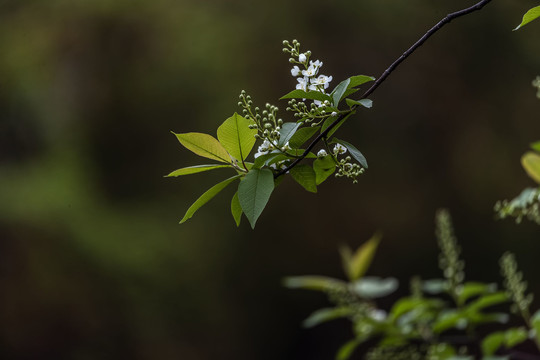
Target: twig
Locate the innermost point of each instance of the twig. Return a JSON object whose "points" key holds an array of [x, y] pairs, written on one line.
{"points": [[385, 74]]}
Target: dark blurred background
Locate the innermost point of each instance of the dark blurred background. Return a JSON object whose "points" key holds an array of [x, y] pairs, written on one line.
{"points": [[93, 263]]}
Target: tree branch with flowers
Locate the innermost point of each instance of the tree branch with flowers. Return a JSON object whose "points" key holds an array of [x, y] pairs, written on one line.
{"points": [[288, 147]]}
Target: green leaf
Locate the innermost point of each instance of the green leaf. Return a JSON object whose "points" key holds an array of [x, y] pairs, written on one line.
{"points": [[305, 176], [302, 135], [323, 315], [357, 264], [487, 301], [449, 319], [434, 286], [204, 145], [287, 131], [508, 338], [515, 336], [254, 192], [359, 80], [355, 153], [363, 102], [324, 167], [535, 321], [529, 16], [413, 304], [207, 196], [236, 209], [472, 289], [531, 163], [371, 287], [535, 146], [318, 283], [492, 343], [339, 90], [347, 350], [236, 136], [301, 94], [195, 169]]}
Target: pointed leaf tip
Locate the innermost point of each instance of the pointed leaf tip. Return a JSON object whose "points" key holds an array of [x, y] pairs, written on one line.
{"points": [[204, 145], [254, 192]]}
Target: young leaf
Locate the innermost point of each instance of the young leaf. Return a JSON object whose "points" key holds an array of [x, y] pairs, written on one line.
{"points": [[323, 315], [529, 16], [531, 163], [492, 343], [345, 352], [471, 289], [323, 167], [514, 336], [207, 196], [339, 90], [287, 131], [301, 94], [358, 263], [236, 209], [236, 136], [536, 146], [371, 287], [254, 192], [204, 145], [318, 283], [302, 135], [195, 169], [487, 301], [359, 80], [355, 153], [305, 176]]}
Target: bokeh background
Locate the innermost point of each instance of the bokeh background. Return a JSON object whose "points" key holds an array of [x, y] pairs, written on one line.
{"points": [[93, 263]]}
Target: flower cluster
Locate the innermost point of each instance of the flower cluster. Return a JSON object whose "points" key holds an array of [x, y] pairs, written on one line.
{"points": [[266, 122], [345, 168], [308, 71], [308, 79], [515, 285]]}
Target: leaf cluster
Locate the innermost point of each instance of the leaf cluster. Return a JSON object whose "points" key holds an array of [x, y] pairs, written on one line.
{"points": [[283, 146], [440, 319]]}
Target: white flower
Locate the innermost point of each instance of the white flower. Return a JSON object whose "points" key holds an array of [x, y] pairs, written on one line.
{"points": [[295, 71], [302, 58], [322, 80], [311, 71], [265, 147], [339, 149], [322, 153], [286, 147], [317, 63], [302, 83], [333, 113]]}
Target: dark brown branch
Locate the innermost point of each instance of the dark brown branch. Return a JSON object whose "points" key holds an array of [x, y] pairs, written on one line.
{"points": [[385, 74]]}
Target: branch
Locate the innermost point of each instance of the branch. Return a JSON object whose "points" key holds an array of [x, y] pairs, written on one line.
{"points": [[385, 74]]}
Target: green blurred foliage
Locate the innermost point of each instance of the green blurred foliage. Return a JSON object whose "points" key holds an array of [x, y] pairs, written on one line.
{"points": [[93, 261]]}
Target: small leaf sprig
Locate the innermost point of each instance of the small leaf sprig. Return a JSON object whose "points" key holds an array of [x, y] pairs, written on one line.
{"points": [[281, 143], [527, 203]]}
